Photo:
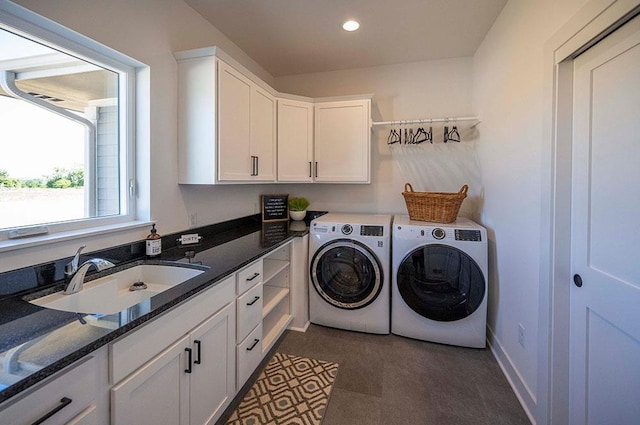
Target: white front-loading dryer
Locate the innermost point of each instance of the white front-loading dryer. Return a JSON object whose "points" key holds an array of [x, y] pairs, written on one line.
{"points": [[349, 272], [440, 281]]}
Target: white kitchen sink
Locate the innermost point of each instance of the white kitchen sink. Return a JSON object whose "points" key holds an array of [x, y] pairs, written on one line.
{"points": [[111, 294]]}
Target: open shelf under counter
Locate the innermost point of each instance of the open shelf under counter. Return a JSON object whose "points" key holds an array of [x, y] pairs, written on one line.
{"points": [[272, 296], [273, 267], [274, 330]]}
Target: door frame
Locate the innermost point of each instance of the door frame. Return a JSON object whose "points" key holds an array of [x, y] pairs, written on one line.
{"points": [[593, 22]]}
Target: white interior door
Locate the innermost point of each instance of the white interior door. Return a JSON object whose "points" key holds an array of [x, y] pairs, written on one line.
{"points": [[605, 310]]}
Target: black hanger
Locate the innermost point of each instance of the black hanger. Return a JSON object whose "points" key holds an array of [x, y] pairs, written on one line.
{"points": [[394, 137], [454, 136], [422, 136]]}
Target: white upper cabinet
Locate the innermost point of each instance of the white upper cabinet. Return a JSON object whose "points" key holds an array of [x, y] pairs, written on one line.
{"points": [[226, 122], [295, 141], [234, 125], [246, 128], [342, 141], [263, 134], [197, 132], [231, 129]]}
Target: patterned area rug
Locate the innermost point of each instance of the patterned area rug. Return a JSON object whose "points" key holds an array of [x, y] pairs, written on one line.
{"points": [[290, 390]]}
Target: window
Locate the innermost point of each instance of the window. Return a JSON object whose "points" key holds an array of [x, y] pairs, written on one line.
{"points": [[66, 141]]}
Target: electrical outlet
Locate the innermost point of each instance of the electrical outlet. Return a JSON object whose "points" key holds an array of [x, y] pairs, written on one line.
{"points": [[193, 220], [521, 334]]}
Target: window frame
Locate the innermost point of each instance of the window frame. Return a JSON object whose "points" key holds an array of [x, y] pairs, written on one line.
{"points": [[35, 27]]}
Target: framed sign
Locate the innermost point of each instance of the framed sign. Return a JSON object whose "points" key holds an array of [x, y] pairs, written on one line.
{"points": [[275, 207]]}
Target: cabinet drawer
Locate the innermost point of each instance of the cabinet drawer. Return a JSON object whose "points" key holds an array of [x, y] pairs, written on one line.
{"points": [[249, 355], [249, 277], [135, 349], [77, 384], [249, 311]]}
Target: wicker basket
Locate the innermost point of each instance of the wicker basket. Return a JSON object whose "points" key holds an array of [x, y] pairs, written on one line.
{"points": [[433, 206]]}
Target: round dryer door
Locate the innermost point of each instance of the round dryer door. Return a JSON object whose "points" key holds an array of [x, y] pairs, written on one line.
{"points": [[346, 274], [441, 283]]}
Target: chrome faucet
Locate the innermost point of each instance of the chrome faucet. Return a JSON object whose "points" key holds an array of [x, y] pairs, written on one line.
{"points": [[77, 273], [72, 266]]}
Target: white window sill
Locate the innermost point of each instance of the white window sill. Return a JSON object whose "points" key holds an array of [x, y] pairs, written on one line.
{"points": [[12, 244]]}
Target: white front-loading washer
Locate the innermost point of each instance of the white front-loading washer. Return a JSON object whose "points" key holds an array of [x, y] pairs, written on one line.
{"points": [[440, 274], [349, 272]]}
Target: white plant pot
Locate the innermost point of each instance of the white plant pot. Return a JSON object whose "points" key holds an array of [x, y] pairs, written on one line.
{"points": [[297, 215]]}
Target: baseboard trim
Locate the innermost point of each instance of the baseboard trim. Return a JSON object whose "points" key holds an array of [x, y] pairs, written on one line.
{"points": [[522, 391], [302, 329]]}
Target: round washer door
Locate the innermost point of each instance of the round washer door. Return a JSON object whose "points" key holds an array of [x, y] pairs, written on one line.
{"points": [[346, 274], [441, 282]]}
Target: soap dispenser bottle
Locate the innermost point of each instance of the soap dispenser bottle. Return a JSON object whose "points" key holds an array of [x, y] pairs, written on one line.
{"points": [[153, 243]]}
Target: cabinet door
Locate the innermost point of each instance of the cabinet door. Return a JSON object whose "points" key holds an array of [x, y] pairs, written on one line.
{"points": [[263, 135], [341, 143], [234, 125], [213, 378], [157, 393], [295, 141]]}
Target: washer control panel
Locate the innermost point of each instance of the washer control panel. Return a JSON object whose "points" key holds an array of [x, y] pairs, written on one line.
{"points": [[348, 229], [371, 230], [468, 235], [438, 233]]}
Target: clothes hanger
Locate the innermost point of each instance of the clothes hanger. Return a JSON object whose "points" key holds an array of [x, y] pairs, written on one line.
{"points": [[423, 136], [394, 137], [454, 136]]}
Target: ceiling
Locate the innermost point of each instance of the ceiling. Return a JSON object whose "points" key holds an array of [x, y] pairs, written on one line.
{"points": [[288, 37]]}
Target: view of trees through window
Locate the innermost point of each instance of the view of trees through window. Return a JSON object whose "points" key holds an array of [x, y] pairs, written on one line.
{"points": [[59, 142]]}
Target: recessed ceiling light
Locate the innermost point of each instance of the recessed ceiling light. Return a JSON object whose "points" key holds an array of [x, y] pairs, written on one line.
{"points": [[351, 25]]}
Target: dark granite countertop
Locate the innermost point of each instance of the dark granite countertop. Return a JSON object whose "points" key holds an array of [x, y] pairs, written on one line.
{"points": [[36, 342]]}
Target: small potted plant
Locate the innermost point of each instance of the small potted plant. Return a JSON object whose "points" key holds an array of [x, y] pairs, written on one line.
{"points": [[298, 208]]}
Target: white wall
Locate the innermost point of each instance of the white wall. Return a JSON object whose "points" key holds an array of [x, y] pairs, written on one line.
{"points": [[149, 31], [508, 96]]}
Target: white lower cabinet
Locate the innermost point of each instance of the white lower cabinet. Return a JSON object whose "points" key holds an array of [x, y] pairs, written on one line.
{"points": [[61, 400], [212, 378], [188, 383], [157, 393]]}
